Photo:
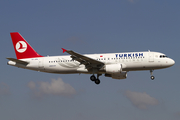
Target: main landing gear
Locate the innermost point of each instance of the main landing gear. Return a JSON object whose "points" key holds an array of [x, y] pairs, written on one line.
{"points": [[96, 80], [152, 77]]}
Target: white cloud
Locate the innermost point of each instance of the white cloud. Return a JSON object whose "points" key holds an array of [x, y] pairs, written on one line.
{"points": [[140, 100], [4, 89], [55, 87], [31, 85]]}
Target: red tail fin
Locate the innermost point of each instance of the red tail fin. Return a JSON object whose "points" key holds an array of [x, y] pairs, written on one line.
{"points": [[22, 48]]}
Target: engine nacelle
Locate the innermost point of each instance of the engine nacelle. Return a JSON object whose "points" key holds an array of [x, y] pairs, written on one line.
{"points": [[113, 68], [122, 75]]}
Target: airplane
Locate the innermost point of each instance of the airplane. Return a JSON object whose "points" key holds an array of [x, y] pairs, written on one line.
{"points": [[114, 65]]}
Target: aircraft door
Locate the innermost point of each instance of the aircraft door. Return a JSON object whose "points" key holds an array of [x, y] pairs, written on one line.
{"points": [[151, 57], [40, 64]]}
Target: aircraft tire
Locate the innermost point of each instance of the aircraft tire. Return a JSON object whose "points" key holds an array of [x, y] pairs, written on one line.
{"points": [[152, 77], [93, 78], [97, 81]]}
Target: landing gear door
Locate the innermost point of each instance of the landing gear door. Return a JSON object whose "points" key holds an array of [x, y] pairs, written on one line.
{"points": [[151, 57]]}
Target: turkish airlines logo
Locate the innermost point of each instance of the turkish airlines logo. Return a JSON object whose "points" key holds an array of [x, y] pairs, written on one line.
{"points": [[21, 46]]}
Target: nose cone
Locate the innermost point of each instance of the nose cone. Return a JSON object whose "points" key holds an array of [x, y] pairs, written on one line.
{"points": [[171, 62]]}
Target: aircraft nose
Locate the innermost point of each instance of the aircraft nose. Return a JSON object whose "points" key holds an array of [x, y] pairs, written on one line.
{"points": [[171, 62]]}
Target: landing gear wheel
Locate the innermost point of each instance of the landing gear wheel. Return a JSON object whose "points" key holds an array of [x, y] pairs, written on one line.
{"points": [[93, 78], [152, 77], [97, 81]]}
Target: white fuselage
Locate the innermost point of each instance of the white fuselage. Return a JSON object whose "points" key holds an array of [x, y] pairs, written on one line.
{"points": [[130, 61], [114, 65]]}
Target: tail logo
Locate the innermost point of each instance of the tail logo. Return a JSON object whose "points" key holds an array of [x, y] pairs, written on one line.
{"points": [[21, 46]]}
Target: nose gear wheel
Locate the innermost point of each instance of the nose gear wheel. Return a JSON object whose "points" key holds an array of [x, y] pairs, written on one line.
{"points": [[152, 77]]}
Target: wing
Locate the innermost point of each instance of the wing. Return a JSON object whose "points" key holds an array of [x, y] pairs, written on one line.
{"points": [[90, 63]]}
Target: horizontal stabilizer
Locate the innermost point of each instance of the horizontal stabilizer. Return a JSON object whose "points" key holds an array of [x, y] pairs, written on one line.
{"points": [[18, 61]]}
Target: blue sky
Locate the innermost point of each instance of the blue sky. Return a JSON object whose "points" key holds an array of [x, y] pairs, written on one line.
{"points": [[95, 26]]}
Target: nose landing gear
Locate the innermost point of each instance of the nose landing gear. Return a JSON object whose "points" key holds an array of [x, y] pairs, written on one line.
{"points": [[152, 77]]}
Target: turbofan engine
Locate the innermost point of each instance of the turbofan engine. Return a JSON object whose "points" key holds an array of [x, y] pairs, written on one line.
{"points": [[115, 71], [113, 68]]}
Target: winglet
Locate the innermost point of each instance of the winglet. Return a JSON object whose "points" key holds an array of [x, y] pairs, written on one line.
{"points": [[64, 50]]}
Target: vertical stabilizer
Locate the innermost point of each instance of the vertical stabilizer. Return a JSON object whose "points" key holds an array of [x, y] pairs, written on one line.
{"points": [[22, 47]]}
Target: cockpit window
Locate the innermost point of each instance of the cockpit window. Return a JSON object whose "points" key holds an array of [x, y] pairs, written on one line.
{"points": [[163, 56]]}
